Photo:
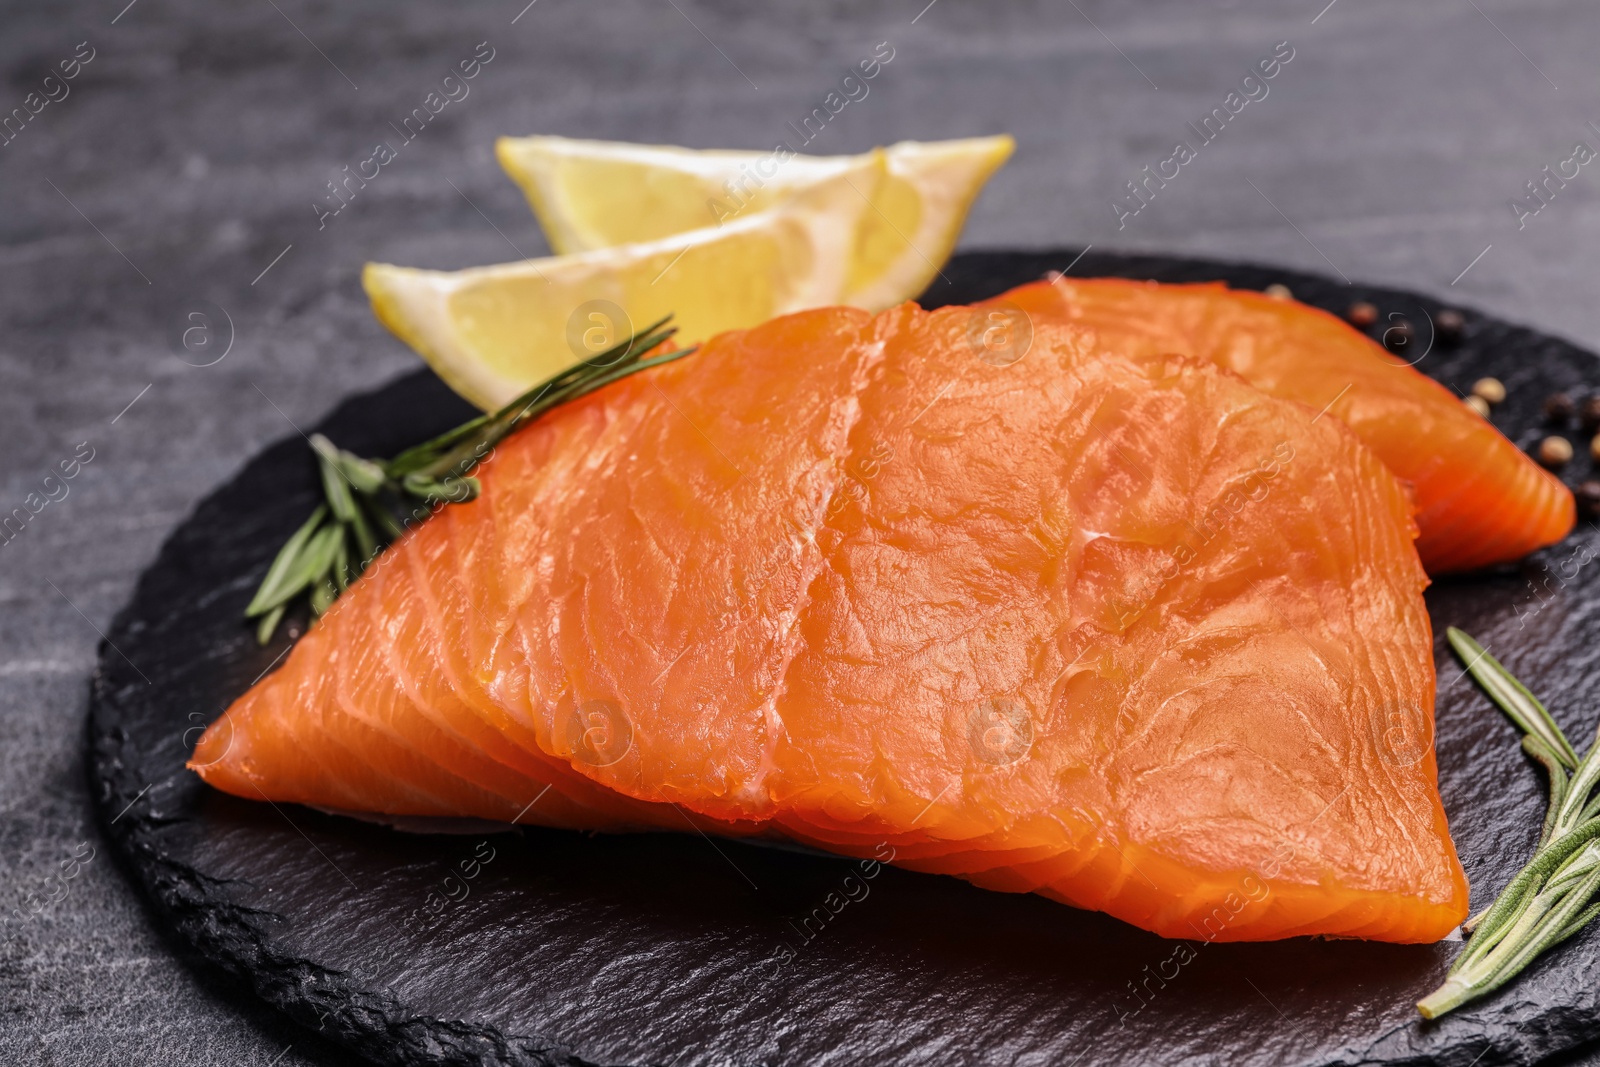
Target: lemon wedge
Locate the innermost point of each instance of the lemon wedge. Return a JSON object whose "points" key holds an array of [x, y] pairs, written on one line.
{"points": [[598, 194], [493, 332]]}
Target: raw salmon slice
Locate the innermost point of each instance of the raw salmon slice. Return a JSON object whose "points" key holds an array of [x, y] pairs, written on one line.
{"points": [[1079, 618], [1480, 500]]}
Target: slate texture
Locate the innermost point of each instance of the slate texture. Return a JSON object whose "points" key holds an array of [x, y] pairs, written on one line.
{"points": [[185, 161]]}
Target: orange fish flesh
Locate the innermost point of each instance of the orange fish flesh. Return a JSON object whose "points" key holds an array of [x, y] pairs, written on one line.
{"points": [[1480, 500], [1085, 619]]}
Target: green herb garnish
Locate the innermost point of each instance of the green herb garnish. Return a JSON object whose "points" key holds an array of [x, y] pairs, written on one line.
{"points": [[1553, 897], [367, 503]]}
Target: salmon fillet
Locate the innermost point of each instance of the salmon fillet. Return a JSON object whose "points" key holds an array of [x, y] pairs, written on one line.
{"points": [[1480, 500], [1097, 622]]}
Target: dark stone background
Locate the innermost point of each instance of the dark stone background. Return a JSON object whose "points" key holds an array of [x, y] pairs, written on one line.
{"points": [[192, 147]]}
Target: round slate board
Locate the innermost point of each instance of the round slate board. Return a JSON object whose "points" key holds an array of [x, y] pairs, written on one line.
{"points": [[544, 947]]}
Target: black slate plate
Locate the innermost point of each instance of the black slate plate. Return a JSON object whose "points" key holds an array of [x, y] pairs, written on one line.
{"points": [[560, 948]]}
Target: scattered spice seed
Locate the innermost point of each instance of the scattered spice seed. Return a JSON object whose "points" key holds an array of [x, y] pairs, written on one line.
{"points": [[1589, 497], [1558, 407], [1478, 404], [1279, 292], [1491, 389], [1555, 451], [1362, 314], [1397, 338], [1594, 449], [1589, 415], [1448, 326]]}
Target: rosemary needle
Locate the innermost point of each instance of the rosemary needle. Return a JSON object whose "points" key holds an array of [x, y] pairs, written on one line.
{"points": [[367, 503], [1553, 896], [1512, 696]]}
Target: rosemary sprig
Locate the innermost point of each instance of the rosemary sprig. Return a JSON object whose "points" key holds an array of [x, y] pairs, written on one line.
{"points": [[1553, 897], [367, 503]]}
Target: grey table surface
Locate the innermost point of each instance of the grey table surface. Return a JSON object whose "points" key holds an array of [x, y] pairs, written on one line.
{"points": [[183, 163]]}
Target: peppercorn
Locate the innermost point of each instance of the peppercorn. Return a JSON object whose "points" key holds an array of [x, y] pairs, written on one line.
{"points": [[1594, 449], [1478, 404], [1589, 414], [1362, 314], [1558, 407], [1588, 495], [1448, 326], [1491, 389], [1397, 338], [1555, 451], [1279, 291]]}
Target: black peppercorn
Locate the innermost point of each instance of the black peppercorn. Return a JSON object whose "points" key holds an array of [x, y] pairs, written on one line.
{"points": [[1588, 495], [1558, 407], [1589, 414], [1398, 337], [1448, 325]]}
